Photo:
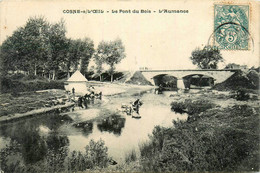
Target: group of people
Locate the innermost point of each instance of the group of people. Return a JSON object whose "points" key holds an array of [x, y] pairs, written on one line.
{"points": [[90, 96], [135, 106], [83, 101]]}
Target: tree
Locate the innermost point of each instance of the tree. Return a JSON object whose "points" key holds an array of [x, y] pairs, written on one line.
{"points": [[36, 42], [117, 54], [43, 47], [10, 55], [27, 48], [112, 53], [99, 68], [99, 58], [207, 58], [86, 51], [68, 59], [59, 45], [79, 54]]}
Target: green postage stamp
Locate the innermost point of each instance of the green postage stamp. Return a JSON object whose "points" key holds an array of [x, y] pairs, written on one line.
{"points": [[231, 26]]}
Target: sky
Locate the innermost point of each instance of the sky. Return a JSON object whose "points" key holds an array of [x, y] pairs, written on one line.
{"points": [[154, 40]]}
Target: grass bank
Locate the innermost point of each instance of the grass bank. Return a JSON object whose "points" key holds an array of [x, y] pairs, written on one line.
{"points": [[28, 101], [213, 139]]}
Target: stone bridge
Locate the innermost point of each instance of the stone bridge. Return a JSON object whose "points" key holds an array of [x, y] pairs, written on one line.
{"points": [[218, 75]]}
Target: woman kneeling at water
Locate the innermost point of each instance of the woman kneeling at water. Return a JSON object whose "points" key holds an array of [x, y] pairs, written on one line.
{"points": [[136, 105]]}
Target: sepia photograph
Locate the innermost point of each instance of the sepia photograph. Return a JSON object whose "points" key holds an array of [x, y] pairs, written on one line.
{"points": [[129, 86]]}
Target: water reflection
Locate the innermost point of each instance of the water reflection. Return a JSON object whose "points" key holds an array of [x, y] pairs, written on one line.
{"points": [[44, 142], [54, 122], [31, 145], [112, 124], [86, 126], [34, 140]]}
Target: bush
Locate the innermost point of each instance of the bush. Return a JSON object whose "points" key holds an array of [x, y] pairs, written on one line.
{"points": [[242, 95], [254, 78], [131, 156], [192, 107], [222, 140], [96, 153], [95, 156], [33, 77], [17, 76], [16, 86]]}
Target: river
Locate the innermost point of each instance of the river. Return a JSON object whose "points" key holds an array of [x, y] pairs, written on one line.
{"points": [[30, 140]]}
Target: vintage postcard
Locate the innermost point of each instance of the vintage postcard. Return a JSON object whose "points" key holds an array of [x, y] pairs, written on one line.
{"points": [[129, 86]]}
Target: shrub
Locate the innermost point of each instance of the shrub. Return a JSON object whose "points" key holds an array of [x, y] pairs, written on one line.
{"points": [[95, 156], [77, 161], [131, 156], [17, 76], [16, 86], [33, 77], [192, 107], [178, 107], [242, 95], [96, 153], [222, 140], [198, 106]]}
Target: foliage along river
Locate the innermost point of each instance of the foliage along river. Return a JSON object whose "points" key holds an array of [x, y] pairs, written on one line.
{"points": [[31, 140]]}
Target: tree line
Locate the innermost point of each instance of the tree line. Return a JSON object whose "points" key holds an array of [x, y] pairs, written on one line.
{"points": [[41, 48]]}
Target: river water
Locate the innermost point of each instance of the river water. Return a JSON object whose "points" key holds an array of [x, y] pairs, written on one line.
{"points": [[30, 140]]}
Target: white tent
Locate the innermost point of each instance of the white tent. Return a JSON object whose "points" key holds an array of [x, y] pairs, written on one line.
{"points": [[77, 77], [76, 81]]}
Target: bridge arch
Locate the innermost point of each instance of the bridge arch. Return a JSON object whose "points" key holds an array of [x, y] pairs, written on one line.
{"points": [[167, 81], [198, 80]]}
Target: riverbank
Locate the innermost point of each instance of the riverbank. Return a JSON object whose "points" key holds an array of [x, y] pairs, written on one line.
{"points": [[28, 101], [221, 134], [18, 116], [218, 130]]}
